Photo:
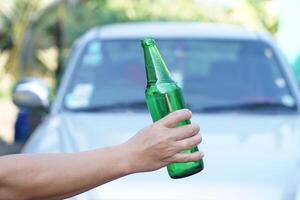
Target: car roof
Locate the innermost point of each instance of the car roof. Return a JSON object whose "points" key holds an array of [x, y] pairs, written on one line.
{"points": [[138, 30]]}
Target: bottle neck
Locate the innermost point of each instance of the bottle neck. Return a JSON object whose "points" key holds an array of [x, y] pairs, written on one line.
{"points": [[156, 69]]}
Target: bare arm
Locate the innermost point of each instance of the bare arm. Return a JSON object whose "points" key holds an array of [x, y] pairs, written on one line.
{"points": [[58, 176]]}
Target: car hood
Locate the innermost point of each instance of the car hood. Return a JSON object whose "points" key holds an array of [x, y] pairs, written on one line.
{"points": [[247, 156]]}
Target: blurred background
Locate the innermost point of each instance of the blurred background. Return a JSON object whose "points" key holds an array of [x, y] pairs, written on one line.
{"points": [[36, 35], [222, 53]]}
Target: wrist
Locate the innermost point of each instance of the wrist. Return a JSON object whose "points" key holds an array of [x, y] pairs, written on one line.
{"points": [[127, 159]]}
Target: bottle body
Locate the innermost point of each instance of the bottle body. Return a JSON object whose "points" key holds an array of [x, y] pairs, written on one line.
{"points": [[163, 98]]}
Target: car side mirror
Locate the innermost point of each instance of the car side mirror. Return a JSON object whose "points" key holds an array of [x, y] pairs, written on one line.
{"points": [[31, 94]]}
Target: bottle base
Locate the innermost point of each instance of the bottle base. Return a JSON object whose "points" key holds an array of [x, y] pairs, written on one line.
{"points": [[187, 173]]}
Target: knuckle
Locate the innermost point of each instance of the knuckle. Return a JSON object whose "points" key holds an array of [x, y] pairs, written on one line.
{"points": [[156, 127], [167, 139], [198, 139], [193, 129], [171, 152], [187, 113], [168, 152], [177, 114], [186, 145], [196, 156], [172, 159], [189, 129], [186, 158], [162, 139], [196, 128], [170, 137], [180, 147], [191, 143]]}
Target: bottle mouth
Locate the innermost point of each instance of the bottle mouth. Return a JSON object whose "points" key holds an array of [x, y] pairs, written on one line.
{"points": [[148, 42]]}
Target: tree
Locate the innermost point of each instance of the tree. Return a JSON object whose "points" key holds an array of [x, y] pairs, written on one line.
{"points": [[32, 27], [17, 37]]}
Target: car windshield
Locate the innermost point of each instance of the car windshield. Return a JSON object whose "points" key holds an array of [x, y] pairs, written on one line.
{"points": [[213, 74]]}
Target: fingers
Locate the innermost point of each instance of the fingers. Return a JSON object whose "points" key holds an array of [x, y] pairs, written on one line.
{"points": [[189, 142], [187, 157], [186, 131], [175, 117]]}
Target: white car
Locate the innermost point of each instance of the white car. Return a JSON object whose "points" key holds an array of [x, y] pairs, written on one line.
{"points": [[236, 82]]}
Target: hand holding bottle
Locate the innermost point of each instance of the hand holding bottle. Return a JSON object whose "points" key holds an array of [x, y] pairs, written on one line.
{"points": [[161, 143], [151, 148]]}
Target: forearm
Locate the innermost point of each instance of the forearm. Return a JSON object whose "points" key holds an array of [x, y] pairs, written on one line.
{"points": [[57, 176]]}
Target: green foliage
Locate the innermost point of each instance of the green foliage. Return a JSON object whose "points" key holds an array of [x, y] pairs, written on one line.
{"points": [[15, 34], [98, 12], [268, 21], [5, 94], [30, 28]]}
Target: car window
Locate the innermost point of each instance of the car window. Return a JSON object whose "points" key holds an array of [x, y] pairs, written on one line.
{"points": [[211, 72]]}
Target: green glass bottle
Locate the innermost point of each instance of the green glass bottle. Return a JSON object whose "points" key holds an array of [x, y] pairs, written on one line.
{"points": [[164, 96]]}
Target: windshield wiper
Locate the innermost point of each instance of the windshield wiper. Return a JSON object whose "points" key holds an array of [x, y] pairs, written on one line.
{"points": [[248, 107], [120, 105]]}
